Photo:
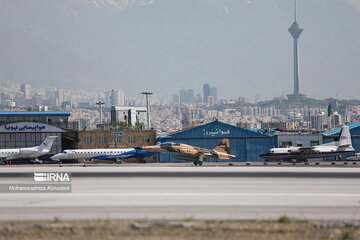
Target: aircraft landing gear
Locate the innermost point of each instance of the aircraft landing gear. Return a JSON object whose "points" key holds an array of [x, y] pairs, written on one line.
{"points": [[198, 162], [119, 161]]}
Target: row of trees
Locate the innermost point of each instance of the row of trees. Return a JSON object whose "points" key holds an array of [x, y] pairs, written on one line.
{"points": [[127, 125]]}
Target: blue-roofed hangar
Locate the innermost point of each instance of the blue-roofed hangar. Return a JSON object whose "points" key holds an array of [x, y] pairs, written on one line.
{"points": [[333, 135], [246, 145]]}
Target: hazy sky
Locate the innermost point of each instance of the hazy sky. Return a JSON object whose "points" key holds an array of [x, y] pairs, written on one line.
{"points": [[241, 47]]}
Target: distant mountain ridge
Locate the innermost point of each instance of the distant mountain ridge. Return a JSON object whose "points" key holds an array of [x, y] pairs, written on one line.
{"points": [[242, 46]]}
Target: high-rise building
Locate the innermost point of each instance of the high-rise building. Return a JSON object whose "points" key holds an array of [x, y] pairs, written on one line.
{"points": [[108, 99], [117, 98], [26, 89], [206, 92], [176, 99], [214, 94], [20, 99], [319, 121], [59, 95], [295, 31], [210, 91], [186, 96]]}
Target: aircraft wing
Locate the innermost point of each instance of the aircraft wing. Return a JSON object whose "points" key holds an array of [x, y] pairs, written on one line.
{"points": [[305, 150], [11, 158], [126, 155], [113, 157], [188, 157]]}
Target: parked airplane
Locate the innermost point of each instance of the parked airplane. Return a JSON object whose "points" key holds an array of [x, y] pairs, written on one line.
{"points": [[355, 157], [336, 148], [114, 154], [192, 153], [26, 153]]}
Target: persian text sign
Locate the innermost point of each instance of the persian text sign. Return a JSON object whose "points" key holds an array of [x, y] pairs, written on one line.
{"points": [[216, 132]]}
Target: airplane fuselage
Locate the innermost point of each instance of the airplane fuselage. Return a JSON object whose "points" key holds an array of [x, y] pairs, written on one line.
{"points": [[293, 153], [24, 153], [104, 154]]}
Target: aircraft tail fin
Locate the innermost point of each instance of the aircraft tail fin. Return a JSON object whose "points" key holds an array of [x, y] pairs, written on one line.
{"points": [[223, 146], [345, 137], [47, 143]]}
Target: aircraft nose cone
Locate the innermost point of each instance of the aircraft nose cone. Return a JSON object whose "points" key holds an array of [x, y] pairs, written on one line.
{"points": [[55, 157]]}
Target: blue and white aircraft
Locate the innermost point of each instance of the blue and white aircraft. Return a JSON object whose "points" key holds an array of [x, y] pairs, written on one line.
{"points": [[115, 154], [335, 149]]}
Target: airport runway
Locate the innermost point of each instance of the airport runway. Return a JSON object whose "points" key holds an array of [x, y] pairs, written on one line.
{"points": [[147, 192]]}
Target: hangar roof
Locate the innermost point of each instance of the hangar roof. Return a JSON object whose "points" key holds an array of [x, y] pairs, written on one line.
{"points": [[354, 130], [214, 129], [48, 113]]}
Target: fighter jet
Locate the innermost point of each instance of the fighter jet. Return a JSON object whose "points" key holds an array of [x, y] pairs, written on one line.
{"points": [[336, 148], [192, 153], [29, 152]]}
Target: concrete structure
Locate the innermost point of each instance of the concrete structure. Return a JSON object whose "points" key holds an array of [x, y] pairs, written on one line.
{"points": [[115, 138], [245, 144], [295, 31], [129, 115]]}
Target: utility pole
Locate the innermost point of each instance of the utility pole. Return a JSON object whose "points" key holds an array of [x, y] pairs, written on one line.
{"points": [[147, 107], [100, 104], [309, 120]]}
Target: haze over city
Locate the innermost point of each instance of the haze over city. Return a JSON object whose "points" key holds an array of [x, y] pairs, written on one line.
{"points": [[241, 47]]}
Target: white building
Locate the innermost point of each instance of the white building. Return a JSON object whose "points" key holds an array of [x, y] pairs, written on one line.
{"points": [[117, 98], [130, 115], [319, 122]]}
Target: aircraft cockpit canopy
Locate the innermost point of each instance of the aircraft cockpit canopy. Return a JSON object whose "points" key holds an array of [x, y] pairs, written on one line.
{"points": [[168, 144]]}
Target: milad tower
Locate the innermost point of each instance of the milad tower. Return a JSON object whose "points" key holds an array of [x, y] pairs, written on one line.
{"points": [[295, 31]]}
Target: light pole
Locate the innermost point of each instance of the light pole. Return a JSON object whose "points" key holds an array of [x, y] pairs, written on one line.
{"points": [[147, 107], [100, 104]]}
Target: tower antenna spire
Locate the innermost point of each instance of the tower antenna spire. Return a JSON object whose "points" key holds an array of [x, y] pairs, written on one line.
{"points": [[295, 11]]}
